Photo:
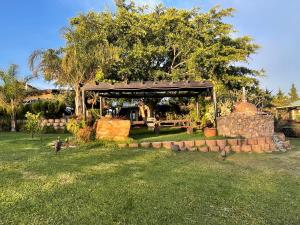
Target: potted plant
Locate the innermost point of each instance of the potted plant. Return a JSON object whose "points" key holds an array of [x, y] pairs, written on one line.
{"points": [[208, 121]]}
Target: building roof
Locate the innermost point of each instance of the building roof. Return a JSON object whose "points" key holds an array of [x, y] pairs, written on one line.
{"points": [[150, 88], [292, 105]]}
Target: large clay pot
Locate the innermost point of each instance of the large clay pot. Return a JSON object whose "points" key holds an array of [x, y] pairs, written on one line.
{"points": [[210, 132]]}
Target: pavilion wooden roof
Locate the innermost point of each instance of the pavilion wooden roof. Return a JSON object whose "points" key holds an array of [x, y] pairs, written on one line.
{"points": [[150, 89]]}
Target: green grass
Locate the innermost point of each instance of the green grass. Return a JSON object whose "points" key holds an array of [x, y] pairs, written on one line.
{"points": [[166, 134], [94, 184]]}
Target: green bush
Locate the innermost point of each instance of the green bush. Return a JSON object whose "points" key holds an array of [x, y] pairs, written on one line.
{"points": [[32, 124], [47, 109], [48, 130], [74, 125], [85, 135]]}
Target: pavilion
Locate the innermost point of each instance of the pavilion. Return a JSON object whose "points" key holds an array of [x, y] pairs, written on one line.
{"points": [[150, 89]]}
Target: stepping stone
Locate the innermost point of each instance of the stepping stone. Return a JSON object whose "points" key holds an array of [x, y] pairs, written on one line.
{"points": [[199, 143], [133, 145], [122, 145], [203, 149], [156, 145], [145, 145]]}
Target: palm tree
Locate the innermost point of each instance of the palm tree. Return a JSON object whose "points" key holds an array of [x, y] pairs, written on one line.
{"points": [[12, 93]]}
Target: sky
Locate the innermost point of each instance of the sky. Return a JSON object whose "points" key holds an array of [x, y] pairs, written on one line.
{"points": [[274, 25]]}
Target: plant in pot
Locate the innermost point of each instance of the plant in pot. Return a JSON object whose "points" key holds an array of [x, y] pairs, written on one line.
{"points": [[208, 122]]}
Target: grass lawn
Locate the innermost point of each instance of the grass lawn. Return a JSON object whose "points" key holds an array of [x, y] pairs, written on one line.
{"points": [[94, 184], [166, 134]]}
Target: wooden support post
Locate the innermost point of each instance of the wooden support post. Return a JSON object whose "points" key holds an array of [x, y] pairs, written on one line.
{"points": [[101, 114], [83, 105], [197, 107], [215, 106]]}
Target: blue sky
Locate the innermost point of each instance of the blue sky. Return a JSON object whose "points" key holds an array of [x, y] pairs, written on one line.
{"points": [[274, 24]]}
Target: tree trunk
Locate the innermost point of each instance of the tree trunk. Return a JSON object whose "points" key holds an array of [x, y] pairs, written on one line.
{"points": [[13, 122], [78, 101]]}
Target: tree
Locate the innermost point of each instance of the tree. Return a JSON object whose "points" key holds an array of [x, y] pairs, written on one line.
{"points": [[293, 94], [12, 93], [176, 44], [32, 125], [82, 60], [134, 44], [280, 99]]}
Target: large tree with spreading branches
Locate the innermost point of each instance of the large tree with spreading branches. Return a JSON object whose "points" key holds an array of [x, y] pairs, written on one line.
{"points": [[135, 43]]}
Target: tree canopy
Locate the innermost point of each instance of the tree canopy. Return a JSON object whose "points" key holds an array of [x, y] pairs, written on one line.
{"points": [[293, 94], [12, 93]]}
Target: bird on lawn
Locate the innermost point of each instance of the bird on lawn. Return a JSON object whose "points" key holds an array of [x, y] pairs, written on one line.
{"points": [[57, 145], [223, 154]]}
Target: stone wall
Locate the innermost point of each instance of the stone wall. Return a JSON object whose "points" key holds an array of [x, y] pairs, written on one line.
{"points": [[245, 125], [58, 124], [255, 145]]}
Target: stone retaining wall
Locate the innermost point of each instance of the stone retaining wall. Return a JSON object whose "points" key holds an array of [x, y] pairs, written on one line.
{"points": [[58, 124], [257, 145], [245, 125]]}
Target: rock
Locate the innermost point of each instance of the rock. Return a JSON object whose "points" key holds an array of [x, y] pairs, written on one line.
{"points": [[145, 145], [236, 148], [211, 143], [167, 144], [112, 129], [281, 136], [189, 144], [266, 147], [233, 142], [269, 140], [199, 143], [133, 145], [122, 145], [252, 141], [214, 148], [227, 149], [191, 149], [156, 145], [222, 144], [287, 144], [256, 148], [246, 148], [203, 149], [261, 140], [180, 144]]}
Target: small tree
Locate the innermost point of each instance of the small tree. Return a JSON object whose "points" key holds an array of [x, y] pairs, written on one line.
{"points": [[33, 125], [280, 99], [12, 93], [293, 94]]}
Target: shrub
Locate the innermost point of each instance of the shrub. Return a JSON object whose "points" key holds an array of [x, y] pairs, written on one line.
{"points": [[48, 130], [85, 135], [32, 123], [209, 117], [225, 108], [74, 125]]}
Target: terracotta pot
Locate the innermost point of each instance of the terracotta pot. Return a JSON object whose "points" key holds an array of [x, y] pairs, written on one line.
{"points": [[210, 132]]}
